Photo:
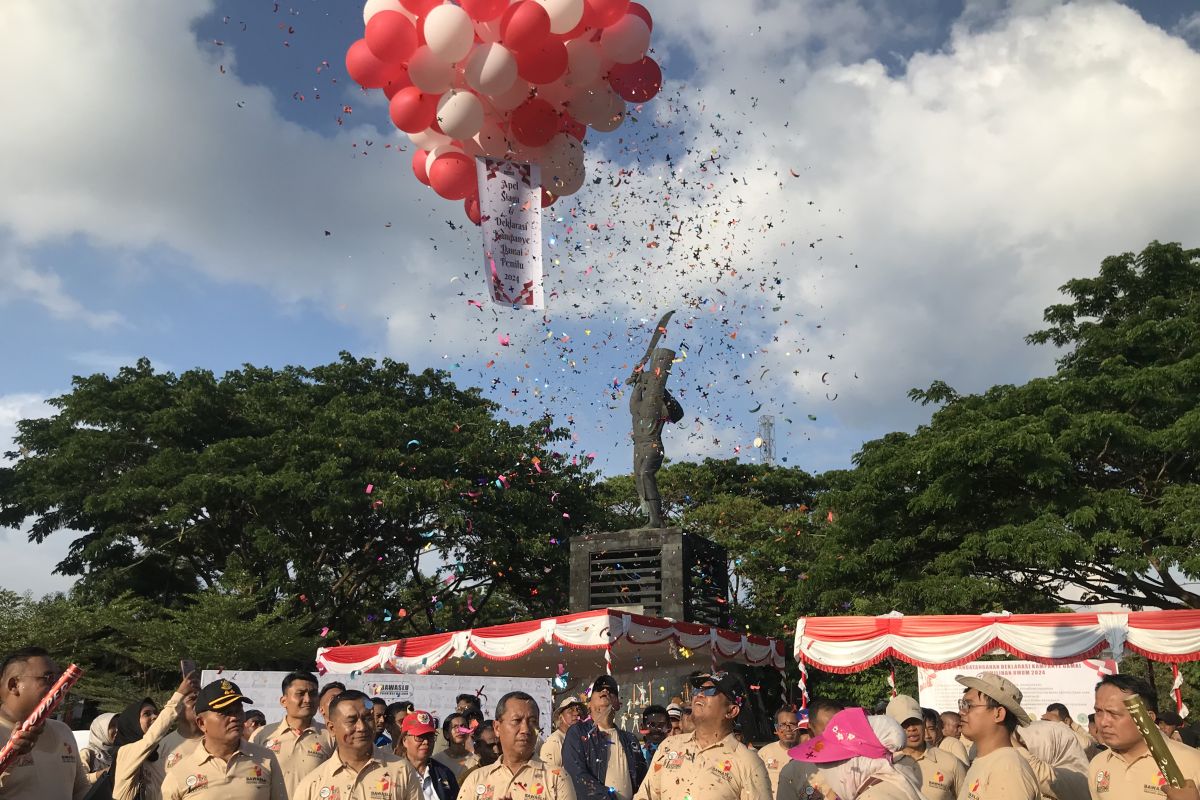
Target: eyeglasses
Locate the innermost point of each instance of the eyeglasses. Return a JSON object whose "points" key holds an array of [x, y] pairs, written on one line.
{"points": [[965, 706], [708, 691], [786, 725]]}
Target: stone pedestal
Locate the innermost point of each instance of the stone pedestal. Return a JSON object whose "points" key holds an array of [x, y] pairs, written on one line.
{"points": [[667, 572]]}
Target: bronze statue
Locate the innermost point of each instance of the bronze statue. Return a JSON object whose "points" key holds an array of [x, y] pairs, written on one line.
{"points": [[651, 406]]}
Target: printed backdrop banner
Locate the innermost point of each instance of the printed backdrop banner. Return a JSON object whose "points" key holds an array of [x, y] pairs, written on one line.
{"points": [[433, 693], [1073, 685], [510, 207]]}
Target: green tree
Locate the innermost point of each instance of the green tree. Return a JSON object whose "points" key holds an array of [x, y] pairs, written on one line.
{"points": [[373, 500], [1080, 487]]}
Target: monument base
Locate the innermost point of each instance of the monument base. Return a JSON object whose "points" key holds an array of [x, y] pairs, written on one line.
{"points": [[668, 572]]}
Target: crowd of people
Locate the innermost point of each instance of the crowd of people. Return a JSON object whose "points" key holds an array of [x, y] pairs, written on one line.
{"points": [[335, 743]]}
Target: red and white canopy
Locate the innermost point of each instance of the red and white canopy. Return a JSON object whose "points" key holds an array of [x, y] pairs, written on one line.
{"points": [[850, 644], [626, 642]]}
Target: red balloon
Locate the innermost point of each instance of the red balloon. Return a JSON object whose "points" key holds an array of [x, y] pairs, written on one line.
{"points": [[397, 83], [574, 127], [525, 25], [605, 12], [636, 82], [471, 206], [483, 10], [548, 198], [535, 122], [453, 176], [418, 165], [641, 11], [420, 7], [543, 64], [391, 36], [412, 110], [367, 70]]}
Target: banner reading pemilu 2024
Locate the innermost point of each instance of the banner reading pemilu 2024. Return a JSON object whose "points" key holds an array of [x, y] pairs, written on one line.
{"points": [[510, 207], [1073, 685], [433, 693]]}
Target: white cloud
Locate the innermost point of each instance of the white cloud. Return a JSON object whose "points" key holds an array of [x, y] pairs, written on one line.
{"points": [[1040, 138], [27, 567], [21, 280]]}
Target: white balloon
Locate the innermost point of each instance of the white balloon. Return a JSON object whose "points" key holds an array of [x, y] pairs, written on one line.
{"points": [[613, 115], [567, 181], [428, 139], [517, 93], [449, 33], [589, 105], [489, 31], [626, 40], [556, 94], [560, 153], [491, 69], [583, 63], [564, 14], [490, 141], [373, 7], [439, 151], [460, 114], [429, 73]]}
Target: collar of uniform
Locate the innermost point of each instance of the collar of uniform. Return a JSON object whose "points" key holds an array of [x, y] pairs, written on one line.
{"points": [[532, 763], [730, 742], [200, 754], [283, 727], [336, 758], [1110, 754]]}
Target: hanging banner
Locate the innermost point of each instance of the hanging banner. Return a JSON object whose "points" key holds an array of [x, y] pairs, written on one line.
{"points": [[510, 208], [433, 693], [1073, 685]]}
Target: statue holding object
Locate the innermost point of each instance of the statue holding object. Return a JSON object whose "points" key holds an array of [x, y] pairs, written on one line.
{"points": [[651, 406]]}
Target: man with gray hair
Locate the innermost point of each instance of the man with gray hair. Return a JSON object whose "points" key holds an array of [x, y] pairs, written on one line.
{"points": [[518, 774]]}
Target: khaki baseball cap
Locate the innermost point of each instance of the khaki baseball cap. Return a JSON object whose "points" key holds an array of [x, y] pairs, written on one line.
{"points": [[902, 708], [1002, 690]]}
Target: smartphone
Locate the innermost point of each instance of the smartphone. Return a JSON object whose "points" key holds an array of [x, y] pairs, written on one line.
{"points": [[187, 667]]}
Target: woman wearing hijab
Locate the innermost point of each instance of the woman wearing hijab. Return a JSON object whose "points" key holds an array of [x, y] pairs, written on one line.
{"points": [[854, 757], [1057, 759], [97, 754], [138, 772]]}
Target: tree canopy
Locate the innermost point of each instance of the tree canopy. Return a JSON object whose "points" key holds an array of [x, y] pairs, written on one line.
{"points": [[378, 501]]}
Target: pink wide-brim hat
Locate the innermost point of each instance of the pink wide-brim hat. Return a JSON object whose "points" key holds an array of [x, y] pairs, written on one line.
{"points": [[847, 735]]}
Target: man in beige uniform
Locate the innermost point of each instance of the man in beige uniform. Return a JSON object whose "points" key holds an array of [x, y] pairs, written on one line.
{"points": [[991, 711], [569, 711], [224, 766], [47, 766], [1126, 770], [798, 780], [709, 763], [517, 775], [775, 755], [184, 739], [299, 742], [358, 770], [935, 736], [1057, 712], [942, 774]]}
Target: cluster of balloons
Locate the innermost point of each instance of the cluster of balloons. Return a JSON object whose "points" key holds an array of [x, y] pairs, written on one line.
{"points": [[515, 79]]}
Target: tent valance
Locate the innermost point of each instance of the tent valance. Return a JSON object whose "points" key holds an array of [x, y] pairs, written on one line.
{"points": [[850, 644], [623, 639]]}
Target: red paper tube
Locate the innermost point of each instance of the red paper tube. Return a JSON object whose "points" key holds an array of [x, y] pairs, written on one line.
{"points": [[49, 704]]}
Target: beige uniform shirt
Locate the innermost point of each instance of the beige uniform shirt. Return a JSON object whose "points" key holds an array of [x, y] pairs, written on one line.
{"points": [[533, 781], [1081, 733], [956, 748], [798, 780], [1114, 778], [616, 773], [251, 774], [458, 766], [942, 775], [722, 771], [298, 752], [1000, 775], [551, 752], [385, 777], [50, 771], [131, 769], [174, 747], [774, 757]]}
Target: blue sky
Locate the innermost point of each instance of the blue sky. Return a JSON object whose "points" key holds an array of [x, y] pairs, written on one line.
{"points": [[914, 178]]}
